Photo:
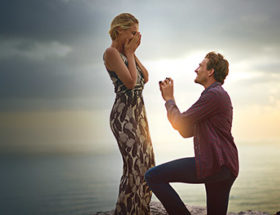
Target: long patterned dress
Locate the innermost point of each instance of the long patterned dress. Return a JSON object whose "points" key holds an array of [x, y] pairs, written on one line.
{"points": [[130, 127]]}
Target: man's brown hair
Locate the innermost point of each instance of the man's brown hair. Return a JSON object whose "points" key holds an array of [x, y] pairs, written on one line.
{"points": [[220, 65]]}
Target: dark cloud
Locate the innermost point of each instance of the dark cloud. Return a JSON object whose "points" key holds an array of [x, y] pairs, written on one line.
{"points": [[52, 50], [50, 79], [51, 55], [47, 20], [245, 21]]}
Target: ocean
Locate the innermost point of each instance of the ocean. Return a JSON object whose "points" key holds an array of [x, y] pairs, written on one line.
{"points": [[86, 184]]}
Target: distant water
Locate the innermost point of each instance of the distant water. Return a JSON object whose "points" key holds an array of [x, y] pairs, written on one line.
{"points": [[85, 184]]}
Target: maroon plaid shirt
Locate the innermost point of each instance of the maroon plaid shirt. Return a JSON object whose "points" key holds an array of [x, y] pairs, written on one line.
{"points": [[209, 121]]}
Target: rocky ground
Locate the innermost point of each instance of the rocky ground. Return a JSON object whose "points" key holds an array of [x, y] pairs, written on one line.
{"points": [[157, 209]]}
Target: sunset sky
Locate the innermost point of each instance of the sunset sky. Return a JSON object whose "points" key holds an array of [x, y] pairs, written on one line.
{"points": [[56, 96]]}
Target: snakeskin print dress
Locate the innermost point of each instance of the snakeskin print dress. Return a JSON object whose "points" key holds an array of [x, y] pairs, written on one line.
{"points": [[130, 127]]}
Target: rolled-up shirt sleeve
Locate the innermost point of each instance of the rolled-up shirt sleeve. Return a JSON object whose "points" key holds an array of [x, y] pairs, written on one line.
{"points": [[204, 107]]}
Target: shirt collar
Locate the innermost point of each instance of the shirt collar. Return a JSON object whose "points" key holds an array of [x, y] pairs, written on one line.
{"points": [[215, 84]]}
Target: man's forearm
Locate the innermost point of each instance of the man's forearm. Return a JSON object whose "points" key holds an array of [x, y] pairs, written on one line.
{"points": [[172, 111], [177, 120]]}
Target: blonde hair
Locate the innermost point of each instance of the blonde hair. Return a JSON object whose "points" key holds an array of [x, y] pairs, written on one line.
{"points": [[123, 21]]}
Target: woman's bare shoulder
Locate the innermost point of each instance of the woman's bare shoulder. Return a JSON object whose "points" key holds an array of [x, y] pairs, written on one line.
{"points": [[110, 52], [112, 59]]}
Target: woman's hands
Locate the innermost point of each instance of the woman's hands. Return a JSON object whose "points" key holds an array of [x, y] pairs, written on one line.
{"points": [[131, 45]]}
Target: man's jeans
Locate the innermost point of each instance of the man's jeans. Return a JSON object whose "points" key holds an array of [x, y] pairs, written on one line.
{"points": [[183, 170]]}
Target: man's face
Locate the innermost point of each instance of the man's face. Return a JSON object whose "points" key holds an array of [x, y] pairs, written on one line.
{"points": [[202, 72]]}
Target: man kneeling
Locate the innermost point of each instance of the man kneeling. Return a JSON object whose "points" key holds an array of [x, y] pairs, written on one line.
{"points": [[209, 121]]}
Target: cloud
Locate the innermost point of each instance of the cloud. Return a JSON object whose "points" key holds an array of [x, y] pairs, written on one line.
{"points": [[53, 81], [47, 20], [51, 62], [51, 51], [32, 50]]}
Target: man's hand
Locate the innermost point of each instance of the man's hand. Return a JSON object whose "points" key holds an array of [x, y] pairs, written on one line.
{"points": [[166, 88]]}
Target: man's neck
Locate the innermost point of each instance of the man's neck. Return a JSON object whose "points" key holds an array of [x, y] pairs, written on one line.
{"points": [[209, 83]]}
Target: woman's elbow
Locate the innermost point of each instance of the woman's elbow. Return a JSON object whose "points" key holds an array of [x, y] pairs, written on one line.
{"points": [[146, 79]]}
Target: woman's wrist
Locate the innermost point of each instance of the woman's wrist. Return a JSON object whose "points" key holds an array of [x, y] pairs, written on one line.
{"points": [[129, 54]]}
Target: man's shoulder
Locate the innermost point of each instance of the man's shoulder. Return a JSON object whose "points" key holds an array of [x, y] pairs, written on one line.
{"points": [[220, 95], [217, 90], [217, 93]]}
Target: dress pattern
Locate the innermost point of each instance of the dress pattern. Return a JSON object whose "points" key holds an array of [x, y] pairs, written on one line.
{"points": [[130, 127]]}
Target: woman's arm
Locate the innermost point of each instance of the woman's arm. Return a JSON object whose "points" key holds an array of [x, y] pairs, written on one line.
{"points": [[113, 61], [143, 69]]}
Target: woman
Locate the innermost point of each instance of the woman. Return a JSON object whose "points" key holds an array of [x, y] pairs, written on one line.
{"points": [[128, 116]]}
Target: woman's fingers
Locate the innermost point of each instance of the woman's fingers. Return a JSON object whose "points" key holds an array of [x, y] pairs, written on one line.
{"points": [[139, 40], [132, 44], [126, 42], [135, 41]]}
